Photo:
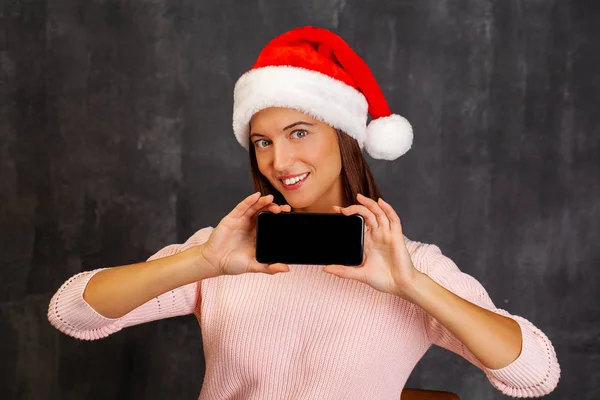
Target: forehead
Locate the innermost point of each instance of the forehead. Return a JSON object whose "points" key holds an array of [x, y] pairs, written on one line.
{"points": [[277, 118]]}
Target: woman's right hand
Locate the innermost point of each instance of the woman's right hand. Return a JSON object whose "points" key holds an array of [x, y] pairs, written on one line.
{"points": [[231, 247]]}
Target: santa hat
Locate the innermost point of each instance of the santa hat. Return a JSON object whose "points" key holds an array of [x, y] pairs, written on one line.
{"points": [[315, 71]]}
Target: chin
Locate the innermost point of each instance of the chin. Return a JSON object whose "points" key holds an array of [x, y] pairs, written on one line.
{"points": [[299, 202]]}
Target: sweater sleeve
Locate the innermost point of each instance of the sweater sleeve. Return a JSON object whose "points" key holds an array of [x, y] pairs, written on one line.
{"points": [[535, 372], [71, 314]]}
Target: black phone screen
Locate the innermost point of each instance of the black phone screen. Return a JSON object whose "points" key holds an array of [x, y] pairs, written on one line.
{"points": [[309, 238]]}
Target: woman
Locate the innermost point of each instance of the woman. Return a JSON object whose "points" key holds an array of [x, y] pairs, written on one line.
{"points": [[293, 331]]}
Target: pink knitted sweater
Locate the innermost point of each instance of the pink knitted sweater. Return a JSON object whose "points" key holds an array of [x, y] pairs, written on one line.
{"points": [[306, 334]]}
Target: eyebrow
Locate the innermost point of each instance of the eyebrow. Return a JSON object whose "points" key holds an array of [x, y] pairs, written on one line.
{"points": [[286, 128]]}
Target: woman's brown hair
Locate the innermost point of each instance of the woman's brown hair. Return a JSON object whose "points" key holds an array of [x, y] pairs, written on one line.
{"points": [[356, 174]]}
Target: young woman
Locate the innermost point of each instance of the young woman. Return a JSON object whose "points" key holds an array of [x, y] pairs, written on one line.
{"points": [[297, 331]]}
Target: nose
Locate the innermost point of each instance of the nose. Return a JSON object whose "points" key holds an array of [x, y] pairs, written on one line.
{"points": [[283, 157]]}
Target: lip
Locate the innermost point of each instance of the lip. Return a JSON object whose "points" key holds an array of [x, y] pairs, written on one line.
{"points": [[296, 185], [291, 176]]}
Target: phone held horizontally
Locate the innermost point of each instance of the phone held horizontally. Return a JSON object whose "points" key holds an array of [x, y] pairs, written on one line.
{"points": [[309, 238]]}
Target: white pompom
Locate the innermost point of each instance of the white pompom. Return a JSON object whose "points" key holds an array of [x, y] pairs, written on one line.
{"points": [[388, 137]]}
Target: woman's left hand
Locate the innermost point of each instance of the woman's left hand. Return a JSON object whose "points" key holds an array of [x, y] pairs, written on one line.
{"points": [[387, 265]]}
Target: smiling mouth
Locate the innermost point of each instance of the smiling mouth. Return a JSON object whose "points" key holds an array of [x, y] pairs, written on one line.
{"points": [[294, 181]]}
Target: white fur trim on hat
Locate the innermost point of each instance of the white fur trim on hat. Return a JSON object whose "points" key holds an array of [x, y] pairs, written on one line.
{"points": [[388, 137], [316, 94]]}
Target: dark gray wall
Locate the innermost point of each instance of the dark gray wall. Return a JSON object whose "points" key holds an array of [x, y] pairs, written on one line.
{"points": [[115, 140]]}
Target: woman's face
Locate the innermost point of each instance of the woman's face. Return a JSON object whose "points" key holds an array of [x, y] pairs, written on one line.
{"points": [[291, 144]]}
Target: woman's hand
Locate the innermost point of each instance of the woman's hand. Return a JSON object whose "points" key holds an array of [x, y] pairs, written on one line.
{"points": [[231, 247], [387, 266]]}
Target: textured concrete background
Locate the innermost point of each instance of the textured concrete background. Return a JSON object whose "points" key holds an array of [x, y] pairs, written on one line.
{"points": [[116, 140]]}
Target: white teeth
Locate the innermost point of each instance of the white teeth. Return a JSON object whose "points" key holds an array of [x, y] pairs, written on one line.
{"points": [[294, 180]]}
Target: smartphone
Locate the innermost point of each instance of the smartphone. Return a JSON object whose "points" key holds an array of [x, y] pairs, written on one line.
{"points": [[309, 238]]}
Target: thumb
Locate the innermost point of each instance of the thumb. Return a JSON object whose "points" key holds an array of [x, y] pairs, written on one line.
{"points": [[270, 269], [343, 271]]}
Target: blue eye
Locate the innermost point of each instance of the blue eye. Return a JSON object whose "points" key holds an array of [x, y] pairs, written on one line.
{"points": [[301, 131], [260, 140]]}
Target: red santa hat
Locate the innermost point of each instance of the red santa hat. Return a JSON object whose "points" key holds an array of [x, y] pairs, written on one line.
{"points": [[314, 71]]}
